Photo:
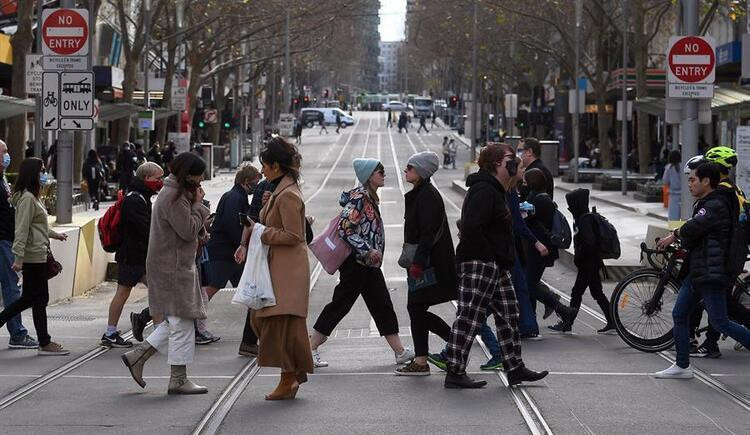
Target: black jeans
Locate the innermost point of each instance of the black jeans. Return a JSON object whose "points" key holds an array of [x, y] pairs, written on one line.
{"points": [[248, 335], [422, 323], [534, 271], [355, 279], [35, 295], [588, 277]]}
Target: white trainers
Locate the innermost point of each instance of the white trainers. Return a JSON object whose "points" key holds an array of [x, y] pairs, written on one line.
{"points": [[405, 356], [675, 372], [317, 362]]}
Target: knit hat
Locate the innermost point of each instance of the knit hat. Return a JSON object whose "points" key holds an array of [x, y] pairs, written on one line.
{"points": [[364, 168], [425, 163]]}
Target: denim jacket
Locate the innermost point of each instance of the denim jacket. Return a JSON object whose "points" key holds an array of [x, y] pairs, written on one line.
{"points": [[361, 225]]}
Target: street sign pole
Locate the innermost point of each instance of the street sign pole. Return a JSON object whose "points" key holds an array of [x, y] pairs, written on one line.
{"points": [[147, 48], [474, 88], [38, 114], [64, 204], [624, 147], [689, 125], [576, 115]]}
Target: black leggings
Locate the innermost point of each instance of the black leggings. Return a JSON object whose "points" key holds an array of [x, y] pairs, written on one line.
{"points": [[35, 295], [588, 277], [355, 279], [534, 270], [422, 323]]}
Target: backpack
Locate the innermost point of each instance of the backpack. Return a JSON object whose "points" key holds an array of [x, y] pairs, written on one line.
{"points": [[109, 224], [739, 235], [609, 242], [559, 234]]}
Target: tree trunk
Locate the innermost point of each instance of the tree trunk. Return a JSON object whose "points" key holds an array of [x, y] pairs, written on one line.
{"points": [[128, 87], [78, 156], [162, 125], [602, 124], [220, 100], [21, 42], [640, 48]]}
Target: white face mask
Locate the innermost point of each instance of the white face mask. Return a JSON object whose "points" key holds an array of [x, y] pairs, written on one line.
{"points": [[6, 160]]}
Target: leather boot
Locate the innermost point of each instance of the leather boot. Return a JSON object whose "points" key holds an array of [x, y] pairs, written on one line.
{"points": [[454, 380], [287, 388], [136, 359], [180, 384]]}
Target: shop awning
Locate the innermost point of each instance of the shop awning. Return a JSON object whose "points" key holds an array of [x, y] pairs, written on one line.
{"points": [[163, 112], [724, 99], [114, 111], [12, 106]]}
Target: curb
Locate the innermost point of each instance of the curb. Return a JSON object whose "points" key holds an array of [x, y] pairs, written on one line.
{"points": [[617, 204]]}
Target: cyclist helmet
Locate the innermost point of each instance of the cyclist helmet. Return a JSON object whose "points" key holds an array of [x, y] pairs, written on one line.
{"points": [[694, 162], [724, 156]]}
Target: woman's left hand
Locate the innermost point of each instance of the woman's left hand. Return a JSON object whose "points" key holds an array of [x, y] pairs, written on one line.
{"points": [[61, 237], [240, 254]]}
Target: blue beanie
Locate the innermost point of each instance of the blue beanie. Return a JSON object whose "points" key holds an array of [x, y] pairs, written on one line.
{"points": [[364, 168]]}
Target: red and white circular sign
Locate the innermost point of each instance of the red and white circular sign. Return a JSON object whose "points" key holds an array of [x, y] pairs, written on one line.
{"points": [[691, 59], [65, 32]]}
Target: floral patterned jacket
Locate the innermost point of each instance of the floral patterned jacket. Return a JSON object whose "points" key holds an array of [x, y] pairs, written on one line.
{"points": [[361, 225]]}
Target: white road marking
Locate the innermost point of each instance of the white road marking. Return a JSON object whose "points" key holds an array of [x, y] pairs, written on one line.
{"points": [[333, 167]]}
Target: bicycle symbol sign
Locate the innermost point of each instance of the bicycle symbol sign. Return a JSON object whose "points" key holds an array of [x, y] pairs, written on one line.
{"points": [[51, 102]]}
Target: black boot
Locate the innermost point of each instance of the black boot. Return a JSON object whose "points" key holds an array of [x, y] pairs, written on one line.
{"points": [[549, 309], [522, 374], [609, 328], [453, 380]]}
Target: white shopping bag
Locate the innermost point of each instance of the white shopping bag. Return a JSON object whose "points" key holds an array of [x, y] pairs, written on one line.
{"points": [[255, 290]]}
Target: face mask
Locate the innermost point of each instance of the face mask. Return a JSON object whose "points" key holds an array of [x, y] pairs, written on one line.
{"points": [[43, 178], [512, 167], [6, 160], [154, 185], [251, 188]]}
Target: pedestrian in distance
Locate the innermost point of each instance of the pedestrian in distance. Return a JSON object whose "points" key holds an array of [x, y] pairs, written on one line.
{"points": [[93, 172], [388, 118], [673, 179], [446, 153], [298, 131], [361, 226], [135, 225], [168, 155], [434, 119], [126, 165], [588, 261], [177, 224], [282, 328], [530, 151], [19, 335], [422, 124], [706, 236], [452, 152], [338, 122], [226, 236], [30, 247], [402, 123], [155, 155], [322, 121], [426, 226], [485, 255]]}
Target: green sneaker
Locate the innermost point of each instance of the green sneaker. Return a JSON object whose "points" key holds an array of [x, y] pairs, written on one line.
{"points": [[495, 363], [437, 360]]}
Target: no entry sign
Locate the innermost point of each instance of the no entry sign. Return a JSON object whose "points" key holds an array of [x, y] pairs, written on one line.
{"points": [[65, 32], [691, 59]]}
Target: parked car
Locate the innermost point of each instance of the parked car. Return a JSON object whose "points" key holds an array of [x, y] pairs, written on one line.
{"points": [[310, 116], [395, 106]]}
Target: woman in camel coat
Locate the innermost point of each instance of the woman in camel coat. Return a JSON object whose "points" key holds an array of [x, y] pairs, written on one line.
{"points": [[282, 329]]}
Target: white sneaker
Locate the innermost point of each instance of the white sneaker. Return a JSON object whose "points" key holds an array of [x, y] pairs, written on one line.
{"points": [[317, 362], [675, 372], [405, 356]]}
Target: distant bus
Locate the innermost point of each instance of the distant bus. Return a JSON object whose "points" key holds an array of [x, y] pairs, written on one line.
{"points": [[423, 106]]}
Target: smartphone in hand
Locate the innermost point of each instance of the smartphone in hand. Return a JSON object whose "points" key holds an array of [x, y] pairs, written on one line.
{"points": [[245, 220]]}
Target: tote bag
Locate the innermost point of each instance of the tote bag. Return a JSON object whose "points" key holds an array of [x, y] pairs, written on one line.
{"points": [[329, 248], [255, 290]]}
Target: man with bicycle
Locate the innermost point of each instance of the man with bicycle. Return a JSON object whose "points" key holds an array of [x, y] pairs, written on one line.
{"points": [[706, 236]]}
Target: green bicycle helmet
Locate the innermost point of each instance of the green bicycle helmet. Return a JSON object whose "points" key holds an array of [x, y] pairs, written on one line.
{"points": [[724, 156]]}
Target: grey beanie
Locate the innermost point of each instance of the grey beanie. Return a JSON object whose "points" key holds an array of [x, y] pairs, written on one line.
{"points": [[425, 163]]}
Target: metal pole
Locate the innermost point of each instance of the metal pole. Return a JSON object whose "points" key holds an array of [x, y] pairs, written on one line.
{"points": [[286, 93], [576, 110], [146, 49], [64, 204], [474, 111], [273, 94], [479, 115], [38, 114], [90, 136], [624, 147], [689, 125]]}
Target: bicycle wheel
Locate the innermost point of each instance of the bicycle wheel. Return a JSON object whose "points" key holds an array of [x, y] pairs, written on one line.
{"points": [[640, 330]]}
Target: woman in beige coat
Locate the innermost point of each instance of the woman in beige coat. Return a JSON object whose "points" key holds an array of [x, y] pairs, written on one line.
{"points": [[282, 329], [177, 224]]}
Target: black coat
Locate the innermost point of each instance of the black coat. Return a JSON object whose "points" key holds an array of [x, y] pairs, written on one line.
{"points": [[540, 224], [423, 219], [135, 223], [226, 231], [706, 236], [585, 241], [486, 223], [549, 188]]}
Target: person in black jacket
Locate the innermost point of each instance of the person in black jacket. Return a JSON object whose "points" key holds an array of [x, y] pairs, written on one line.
{"points": [[485, 255], [93, 173], [540, 224], [135, 224], [226, 235], [426, 225], [706, 236], [126, 164], [530, 152]]}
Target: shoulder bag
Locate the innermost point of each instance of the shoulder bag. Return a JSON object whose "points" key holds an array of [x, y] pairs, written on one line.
{"points": [[409, 250]]}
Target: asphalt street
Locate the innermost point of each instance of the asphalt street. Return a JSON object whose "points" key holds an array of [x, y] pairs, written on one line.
{"points": [[597, 384]]}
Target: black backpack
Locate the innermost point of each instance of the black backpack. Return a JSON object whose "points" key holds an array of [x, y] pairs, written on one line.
{"points": [[738, 240], [606, 234], [559, 234]]}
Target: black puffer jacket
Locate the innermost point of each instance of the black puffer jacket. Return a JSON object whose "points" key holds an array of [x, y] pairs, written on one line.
{"points": [[706, 236], [135, 224], [486, 223], [423, 220]]}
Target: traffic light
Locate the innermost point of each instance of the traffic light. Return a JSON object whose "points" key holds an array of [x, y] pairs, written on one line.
{"points": [[523, 119], [325, 93], [305, 101], [295, 104], [201, 124]]}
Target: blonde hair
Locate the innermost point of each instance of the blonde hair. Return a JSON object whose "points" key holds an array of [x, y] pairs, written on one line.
{"points": [[246, 171], [148, 169]]}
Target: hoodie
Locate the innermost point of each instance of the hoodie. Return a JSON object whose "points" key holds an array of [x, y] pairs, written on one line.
{"points": [[487, 226], [584, 227], [361, 225], [32, 229]]}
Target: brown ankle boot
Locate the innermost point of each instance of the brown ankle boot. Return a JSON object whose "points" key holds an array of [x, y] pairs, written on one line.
{"points": [[287, 388]]}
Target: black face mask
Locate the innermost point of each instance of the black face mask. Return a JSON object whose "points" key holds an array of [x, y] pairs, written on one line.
{"points": [[512, 167]]}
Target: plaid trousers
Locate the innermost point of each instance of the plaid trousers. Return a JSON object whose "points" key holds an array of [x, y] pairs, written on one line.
{"points": [[484, 288]]}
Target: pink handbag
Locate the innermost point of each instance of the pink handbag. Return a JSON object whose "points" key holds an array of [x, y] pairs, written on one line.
{"points": [[329, 248]]}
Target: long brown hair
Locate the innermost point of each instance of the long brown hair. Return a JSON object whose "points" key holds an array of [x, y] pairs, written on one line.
{"points": [[285, 154], [28, 176]]}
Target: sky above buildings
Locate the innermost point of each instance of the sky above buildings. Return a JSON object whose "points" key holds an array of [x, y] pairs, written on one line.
{"points": [[392, 20]]}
